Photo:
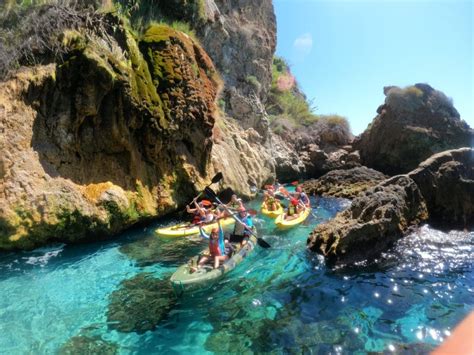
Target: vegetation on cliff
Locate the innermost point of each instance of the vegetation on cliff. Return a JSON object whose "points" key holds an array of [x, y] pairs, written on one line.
{"points": [[291, 112]]}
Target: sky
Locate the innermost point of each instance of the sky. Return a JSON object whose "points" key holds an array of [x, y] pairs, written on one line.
{"points": [[343, 52]]}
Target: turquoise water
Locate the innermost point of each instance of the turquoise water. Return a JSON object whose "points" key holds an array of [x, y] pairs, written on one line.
{"points": [[280, 300]]}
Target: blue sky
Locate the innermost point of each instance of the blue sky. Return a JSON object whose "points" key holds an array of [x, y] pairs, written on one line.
{"points": [[343, 52]]}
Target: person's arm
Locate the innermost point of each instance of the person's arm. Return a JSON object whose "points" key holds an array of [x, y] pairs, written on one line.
{"points": [[202, 233], [199, 208]]}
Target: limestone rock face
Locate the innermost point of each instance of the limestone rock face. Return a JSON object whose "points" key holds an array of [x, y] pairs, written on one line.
{"points": [[375, 219], [413, 124], [344, 183], [241, 155], [121, 132], [240, 37], [446, 181]]}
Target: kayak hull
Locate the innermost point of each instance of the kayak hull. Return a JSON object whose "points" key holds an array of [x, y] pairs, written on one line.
{"points": [[272, 214], [185, 281], [283, 224], [184, 229]]}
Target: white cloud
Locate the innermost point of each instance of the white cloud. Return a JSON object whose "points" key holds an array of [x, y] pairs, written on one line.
{"points": [[303, 44]]}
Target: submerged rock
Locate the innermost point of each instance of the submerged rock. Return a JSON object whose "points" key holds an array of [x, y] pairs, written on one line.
{"points": [[82, 344], [413, 124], [446, 181], [152, 250], [344, 183], [140, 304], [375, 219]]}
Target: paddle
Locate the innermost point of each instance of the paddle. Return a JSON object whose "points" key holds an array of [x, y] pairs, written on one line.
{"points": [[218, 177], [213, 195]]}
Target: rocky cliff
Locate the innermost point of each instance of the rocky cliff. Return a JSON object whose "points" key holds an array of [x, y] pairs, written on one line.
{"points": [[120, 124], [413, 124], [120, 131], [240, 37]]}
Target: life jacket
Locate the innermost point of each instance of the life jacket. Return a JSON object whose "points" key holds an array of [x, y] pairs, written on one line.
{"points": [[291, 210], [214, 248]]}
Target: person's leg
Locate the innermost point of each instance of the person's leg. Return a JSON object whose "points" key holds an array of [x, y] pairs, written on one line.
{"points": [[218, 259], [203, 260]]}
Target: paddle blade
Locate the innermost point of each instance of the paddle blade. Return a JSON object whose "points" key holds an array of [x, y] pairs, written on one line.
{"points": [[263, 243], [218, 177], [210, 193]]}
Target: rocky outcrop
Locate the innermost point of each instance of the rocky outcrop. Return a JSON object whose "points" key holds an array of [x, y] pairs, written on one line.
{"points": [[344, 183], [118, 133], [413, 124], [242, 156], [240, 37], [446, 181], [375, 219]]}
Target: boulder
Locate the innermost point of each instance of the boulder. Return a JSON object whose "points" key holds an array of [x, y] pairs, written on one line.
{"points": [[375, 219], [344, 183], [413, 124], [446, 181]]}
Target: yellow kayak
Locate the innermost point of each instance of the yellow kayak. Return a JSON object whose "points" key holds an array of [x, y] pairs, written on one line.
{"points": [[185, 229], [283, 223], [272, 214]]}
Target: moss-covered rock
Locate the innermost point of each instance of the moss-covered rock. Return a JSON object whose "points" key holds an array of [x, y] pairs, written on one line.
{"points": [[118, 132]]}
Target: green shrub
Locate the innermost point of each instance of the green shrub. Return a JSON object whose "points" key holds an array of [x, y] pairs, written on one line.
{"points": [[409, 98], [335, 120], [288, 101]]}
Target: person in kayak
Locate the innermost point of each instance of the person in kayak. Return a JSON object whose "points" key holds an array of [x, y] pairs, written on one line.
{"points": [[217, 247], [294, 209], [241, 232], [302, 197], [201, 214], [235, 203], [269, 201]]}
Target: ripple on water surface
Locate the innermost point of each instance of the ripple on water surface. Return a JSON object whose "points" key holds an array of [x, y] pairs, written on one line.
{"points": [[279, 299]]}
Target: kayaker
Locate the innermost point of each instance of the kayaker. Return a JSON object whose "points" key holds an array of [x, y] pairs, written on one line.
{"points": [[235, 202], [293, 210], [201, 214], [302, 197], [270, 202], [241, 232], [217, 248]]}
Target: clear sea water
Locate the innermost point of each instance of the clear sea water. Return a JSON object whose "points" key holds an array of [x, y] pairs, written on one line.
{"points": [[278, 300]]}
